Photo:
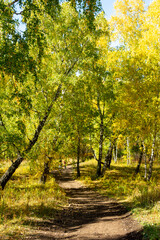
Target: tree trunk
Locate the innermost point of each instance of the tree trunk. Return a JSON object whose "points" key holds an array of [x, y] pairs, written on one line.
{"points": [[100, 149], [145, 162], [45, 172], [94, 154], [8, 174], [140, 161], [108, 159], [151, 160], [115, 153], [78, 157]]}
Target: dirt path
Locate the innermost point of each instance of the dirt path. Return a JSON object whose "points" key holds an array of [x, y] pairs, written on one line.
{"points": [[89, 217]]}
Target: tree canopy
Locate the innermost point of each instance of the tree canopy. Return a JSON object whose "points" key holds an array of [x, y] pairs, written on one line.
{"points": [[67, 92]]}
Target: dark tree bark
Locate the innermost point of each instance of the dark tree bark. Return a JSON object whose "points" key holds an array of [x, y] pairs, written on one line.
{"points": [[45, 172], [108, 159], [46, 169], [101, 138], [140, 160], [8, 174], [100, 149]]}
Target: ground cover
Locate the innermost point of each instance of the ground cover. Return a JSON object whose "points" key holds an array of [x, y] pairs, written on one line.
{"points": [[26, 205], [26, 202]]}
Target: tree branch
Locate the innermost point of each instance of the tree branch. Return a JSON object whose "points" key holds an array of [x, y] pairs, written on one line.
{"points": [[12, 3]]}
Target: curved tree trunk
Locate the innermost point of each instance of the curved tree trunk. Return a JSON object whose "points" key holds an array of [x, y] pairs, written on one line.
{"points": [[8, 174]]}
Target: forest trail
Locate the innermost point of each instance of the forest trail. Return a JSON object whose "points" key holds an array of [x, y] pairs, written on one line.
{"points": [[89, 216]]}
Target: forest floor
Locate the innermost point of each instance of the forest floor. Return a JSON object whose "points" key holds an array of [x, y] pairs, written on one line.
{"points": [[89, 216]]}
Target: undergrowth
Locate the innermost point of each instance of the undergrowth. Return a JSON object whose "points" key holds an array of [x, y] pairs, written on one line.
{"points": [[25, 201]]}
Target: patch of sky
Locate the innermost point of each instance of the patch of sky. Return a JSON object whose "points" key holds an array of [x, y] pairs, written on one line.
{"points": [[21, 26]]}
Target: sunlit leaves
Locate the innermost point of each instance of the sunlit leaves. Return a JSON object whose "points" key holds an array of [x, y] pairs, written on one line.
{"points": [[126, 24], [137, 67]]}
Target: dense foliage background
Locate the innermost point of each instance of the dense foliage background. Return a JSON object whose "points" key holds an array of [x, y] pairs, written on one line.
{"points": [[68, 94]]}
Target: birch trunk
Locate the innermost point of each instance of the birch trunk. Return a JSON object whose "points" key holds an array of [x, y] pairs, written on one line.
{"points": [[151, 160], [8, 174], [94, 154], [145, 162]]}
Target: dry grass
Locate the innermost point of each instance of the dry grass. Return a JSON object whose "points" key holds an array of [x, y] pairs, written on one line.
{"points": [[25, 200]]}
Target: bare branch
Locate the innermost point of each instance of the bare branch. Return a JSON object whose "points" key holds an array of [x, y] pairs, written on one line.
{"points": [[18, 13], [70, 69], [12, 3]]}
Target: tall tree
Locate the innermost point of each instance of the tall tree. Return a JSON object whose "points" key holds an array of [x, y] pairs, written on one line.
{"points": [[138, 70], [59, 45]]}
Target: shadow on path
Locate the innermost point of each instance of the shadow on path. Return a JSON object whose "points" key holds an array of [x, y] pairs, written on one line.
{"points": [[89, 217]]}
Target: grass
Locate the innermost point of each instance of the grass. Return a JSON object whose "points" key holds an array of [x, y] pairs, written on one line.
{"points": [[25, 202], [140, 197]]}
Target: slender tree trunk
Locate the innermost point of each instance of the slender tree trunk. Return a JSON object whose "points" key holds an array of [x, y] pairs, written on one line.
{"points": [[8, 174], [115, 153], [151, 160], [108, 159], [46, 169], [140, 160], [145, 162], [78, 157], [100, 148], [101, 115], [94, 154], [45, 172]]}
